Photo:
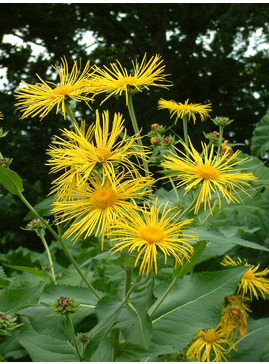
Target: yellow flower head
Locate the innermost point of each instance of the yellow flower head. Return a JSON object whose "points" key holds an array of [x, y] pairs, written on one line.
{"points": [[1, 115], [95, 206], [79, 152], [209, 345], [238, 300], [210, 174], [41, 98], [151, 232], [233, 318], [252, 281], [186, 109], [118, 80]]}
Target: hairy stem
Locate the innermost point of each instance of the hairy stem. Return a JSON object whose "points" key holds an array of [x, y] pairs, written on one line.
{"points": [[41, 235]]}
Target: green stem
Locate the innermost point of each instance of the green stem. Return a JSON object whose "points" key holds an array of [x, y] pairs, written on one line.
{"points": [[116, 337], [163, 297], [188, 209], [60, 240], [136, 129], [128, 276], [185, 131], [209, 214], [220, 139], [71, 115], [75, 342], [40, 234]]}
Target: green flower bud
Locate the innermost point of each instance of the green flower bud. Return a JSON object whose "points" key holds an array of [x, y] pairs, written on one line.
{"points": [[7, 324], [222, 121], [65, 306]]}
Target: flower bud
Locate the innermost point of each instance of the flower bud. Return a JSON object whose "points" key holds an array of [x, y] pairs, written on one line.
{"points": [[36, 224], [222, 121], [155, 127], [65, 306], [155, 140], [7, 324], [5, 162], [83, 337]]}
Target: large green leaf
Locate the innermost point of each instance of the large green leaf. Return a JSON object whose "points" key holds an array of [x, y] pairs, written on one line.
{"points": [[4, 281], [11, 180], [259, 144], [254, 346], [108, 309], [45, 348], [34, 271], [194, 303], [12, 300]]}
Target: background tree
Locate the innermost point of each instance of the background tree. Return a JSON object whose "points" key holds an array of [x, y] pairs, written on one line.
{"points": [[203, 46]]}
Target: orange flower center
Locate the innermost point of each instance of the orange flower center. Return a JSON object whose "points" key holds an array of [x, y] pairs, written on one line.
{"points": [[152, 234], [207, 172], [249, 275], [61, 91], [104, 197], [210, 337], [103, 154]]}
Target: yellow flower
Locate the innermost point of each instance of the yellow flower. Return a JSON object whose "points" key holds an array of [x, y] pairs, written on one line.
{"points": [[238, 300], [95, 206], [226, 148], [78, 153], [211, 174], [186, 109], [1, 115], [117, 80], [233, 318], [208, 346], [41, 98], [252, 281], [151, 232]]}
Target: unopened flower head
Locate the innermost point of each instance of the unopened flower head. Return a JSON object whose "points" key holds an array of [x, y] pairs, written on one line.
{"points": [[252, 282], [151, 232], [93, 207], [65, 306], [7, 324], [222, 121], [209, 345], [79, 153], [185, 110], [41, 98], [118, 81], [233, 320], [210, 174]]}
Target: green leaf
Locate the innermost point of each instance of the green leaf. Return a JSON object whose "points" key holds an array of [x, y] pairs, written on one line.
{"points": [[108, 309], [43, 208], [12, 300], [194, 303], [259, 143], [4, 281], [45, 348], [187, 267], [11, 181], [134, 320], [34, 271], [254, 346]]}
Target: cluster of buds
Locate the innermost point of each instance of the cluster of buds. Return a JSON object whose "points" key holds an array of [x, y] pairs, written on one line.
{"points": [[65, 306], [35, 224], [7, 324], [222, 121], [157, 137]]}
